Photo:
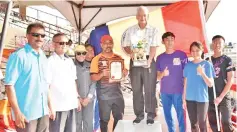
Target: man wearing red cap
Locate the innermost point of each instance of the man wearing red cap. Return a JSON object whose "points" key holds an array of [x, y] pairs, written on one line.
{"points": [[109, 94], [142, 75]]}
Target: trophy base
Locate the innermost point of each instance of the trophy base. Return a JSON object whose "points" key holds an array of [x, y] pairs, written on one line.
{"points": [[137, 63]]}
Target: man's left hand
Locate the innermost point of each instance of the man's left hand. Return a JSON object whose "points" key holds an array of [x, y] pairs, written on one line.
{"points": [[217, 100]]}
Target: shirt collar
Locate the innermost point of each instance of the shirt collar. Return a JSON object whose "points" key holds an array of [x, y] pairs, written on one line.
{"points": [[29, 48], [63, 57]]}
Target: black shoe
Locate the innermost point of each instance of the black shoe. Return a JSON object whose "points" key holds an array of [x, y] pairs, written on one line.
{"points": [[136, 121], [149, 122]]}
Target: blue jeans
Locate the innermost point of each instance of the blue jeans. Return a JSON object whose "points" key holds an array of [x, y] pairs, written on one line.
{"points": [[167, 101]]}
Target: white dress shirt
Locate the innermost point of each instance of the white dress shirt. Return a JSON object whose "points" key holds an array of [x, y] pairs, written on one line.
{"points": [[61, 77], [134, 34]]}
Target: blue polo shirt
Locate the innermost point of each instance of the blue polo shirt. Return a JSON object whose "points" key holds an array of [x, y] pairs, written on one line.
{"points": [[26, 70], [197, 89]]}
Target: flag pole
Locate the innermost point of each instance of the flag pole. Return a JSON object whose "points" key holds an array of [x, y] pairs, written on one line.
{"points": [[216, 106]]}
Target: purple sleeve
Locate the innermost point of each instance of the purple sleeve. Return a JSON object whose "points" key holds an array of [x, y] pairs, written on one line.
{"points": [[158, 68]]}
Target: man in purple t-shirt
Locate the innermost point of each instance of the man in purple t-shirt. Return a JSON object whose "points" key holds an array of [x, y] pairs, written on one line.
{"points": [[170, 65]]}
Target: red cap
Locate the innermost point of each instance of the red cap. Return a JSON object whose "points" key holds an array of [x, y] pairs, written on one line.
{"points": [[106, 37]]}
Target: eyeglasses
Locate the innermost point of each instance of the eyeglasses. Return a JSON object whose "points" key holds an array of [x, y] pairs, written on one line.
{"points": [[81, 53], [62, 43], [37, 35]]}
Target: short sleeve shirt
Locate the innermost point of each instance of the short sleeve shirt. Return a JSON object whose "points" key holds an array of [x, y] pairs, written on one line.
{"points": [[62, 79], [222, 65], [175, 62], [105, 90], [196, 89], [27, 70], [135, 34]]}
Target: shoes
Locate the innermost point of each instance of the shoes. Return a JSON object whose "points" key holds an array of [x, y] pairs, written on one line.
{"points": [[149, 122], [136, 121]]}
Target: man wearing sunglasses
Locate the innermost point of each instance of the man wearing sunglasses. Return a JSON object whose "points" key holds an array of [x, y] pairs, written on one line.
{"points": [[63, 89], [109, 94], [26, 87]]}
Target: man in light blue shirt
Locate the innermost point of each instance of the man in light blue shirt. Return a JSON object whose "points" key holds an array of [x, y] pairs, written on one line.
{"points": [[26, 85]]}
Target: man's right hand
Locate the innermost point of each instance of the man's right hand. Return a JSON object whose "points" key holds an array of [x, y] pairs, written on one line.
{"points": [[20, 120]]}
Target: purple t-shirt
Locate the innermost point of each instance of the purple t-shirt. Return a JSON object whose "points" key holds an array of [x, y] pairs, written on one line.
{"points": [[173, 83]]}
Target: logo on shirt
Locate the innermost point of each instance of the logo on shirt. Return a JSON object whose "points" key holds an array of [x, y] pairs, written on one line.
{"points": [[176, 61], [104, 63]]}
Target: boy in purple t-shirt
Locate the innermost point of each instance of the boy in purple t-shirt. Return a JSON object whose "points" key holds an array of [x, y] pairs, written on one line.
{"points": [[170, 65]]}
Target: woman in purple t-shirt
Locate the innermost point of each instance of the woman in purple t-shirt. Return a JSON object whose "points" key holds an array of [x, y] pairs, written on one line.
{"points": [[198, 76]]}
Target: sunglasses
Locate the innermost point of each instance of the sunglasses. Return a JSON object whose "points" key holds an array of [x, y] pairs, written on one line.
{"points": [[62, 43], [37, 35], [81, 53]]}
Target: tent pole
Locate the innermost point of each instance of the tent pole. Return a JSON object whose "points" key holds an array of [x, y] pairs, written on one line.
{"points": [[4, 27], [80, 27], [79, 32]]}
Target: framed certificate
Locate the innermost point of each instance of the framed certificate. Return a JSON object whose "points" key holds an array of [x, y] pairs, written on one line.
{"points": [[116, 70]]}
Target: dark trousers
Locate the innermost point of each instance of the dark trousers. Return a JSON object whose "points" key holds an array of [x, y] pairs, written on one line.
{"points": [[105, 107], [38, 125], [225, 109], [146, 77], [197, 112]]}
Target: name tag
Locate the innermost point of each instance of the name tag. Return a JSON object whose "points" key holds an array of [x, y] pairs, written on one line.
{"points": [[176, 61]]}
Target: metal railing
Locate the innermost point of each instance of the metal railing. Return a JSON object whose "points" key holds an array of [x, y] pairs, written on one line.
{"points": [[57, 18], [17, 20]]}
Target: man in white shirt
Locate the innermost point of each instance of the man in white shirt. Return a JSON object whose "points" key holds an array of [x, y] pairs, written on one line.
{"points": [[63, 89], [142, 75]]}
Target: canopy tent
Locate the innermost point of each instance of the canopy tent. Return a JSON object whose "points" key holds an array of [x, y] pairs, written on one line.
{"points": [[85, 14]]}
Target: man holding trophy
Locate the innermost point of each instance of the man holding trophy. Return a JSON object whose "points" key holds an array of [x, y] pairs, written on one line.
{"points": [[107, 69], [140, 42]]}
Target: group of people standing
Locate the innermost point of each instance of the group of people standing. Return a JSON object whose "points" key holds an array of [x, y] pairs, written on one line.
{"points": [[58, 94], [188, 85]]}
